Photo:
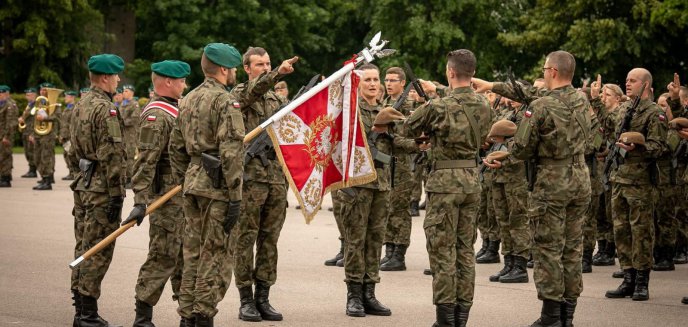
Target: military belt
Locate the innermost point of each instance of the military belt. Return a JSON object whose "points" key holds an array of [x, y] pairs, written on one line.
{"points": [[453, 164], [577, 159], [632, 160], [382, 158]]}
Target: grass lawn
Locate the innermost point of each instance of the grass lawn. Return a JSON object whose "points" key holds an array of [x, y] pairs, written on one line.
{"points": [[19, 149]]}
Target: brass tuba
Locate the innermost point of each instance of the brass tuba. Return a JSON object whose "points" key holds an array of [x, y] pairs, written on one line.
{"points": [[45, 106]]}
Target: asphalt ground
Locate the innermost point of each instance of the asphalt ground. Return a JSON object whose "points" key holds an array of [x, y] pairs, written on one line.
{"points": [[37, 241]]}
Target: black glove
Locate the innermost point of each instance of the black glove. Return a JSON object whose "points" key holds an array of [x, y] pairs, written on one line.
{"points": [[114, 209], [232, 216], [137, 214]]}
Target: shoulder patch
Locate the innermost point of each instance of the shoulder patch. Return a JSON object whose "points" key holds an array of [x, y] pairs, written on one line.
{"points": [[528, 113], [662, 117], [236, 105], [113, 112], [151, 118]]}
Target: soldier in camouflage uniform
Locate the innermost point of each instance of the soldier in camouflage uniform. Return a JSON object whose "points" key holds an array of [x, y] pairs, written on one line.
{"points": [[264, 192], [129, 108], [96, 137], [153, 177], [65, 118], [364, 209], [457, 125], [209, 124], [27, 118], [8, 119], [44, 150], [633, 188]]}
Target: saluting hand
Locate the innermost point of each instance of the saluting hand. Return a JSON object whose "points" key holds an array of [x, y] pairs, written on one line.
{"points": [[480, 85], [674, 87], [595, 87], [286, 66]]}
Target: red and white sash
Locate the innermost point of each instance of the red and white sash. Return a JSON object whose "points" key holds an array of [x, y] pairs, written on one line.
{"points": [[164, 106]]}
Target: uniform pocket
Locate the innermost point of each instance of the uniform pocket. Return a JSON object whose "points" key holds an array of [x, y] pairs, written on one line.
{"points": [[114, 129], [435, 213]]}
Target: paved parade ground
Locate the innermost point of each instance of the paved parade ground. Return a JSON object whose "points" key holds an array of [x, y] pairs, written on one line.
{"points": [[37, 243]]}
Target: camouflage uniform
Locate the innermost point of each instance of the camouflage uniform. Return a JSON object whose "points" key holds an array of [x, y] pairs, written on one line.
{"points": [[65, 119], [8, 124], [457, 125], [364, 211], [264, 204], [596, 169], [28, 130], [632, 192], [153, 177], [209, 123], [130, 115], [557, 209], [96, 135]]}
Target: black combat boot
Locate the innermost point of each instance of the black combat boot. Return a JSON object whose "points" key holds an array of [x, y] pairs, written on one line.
{"points": [[445, 315], [69, 177], [665, 259], [5, 181], [354, 300], [187, 322], [51, 178], [77, 307], [398, 260], [618, 274], [684, 300], [267, 312], [31, 173], [627, 286], [586, 263], [89, 314], [681, 252], [144, 315], [517, 274], [508, 265], [413, 210], [427, 271], [340, 262], [567, 311], [531, 262], [483, 248], [641, 292], [550, 316], [339, 256], [44, 185], [461, 315], [491, 255], [607, 258], [421, 206], [248, 310], [203, 320], [601, 248], [389, 251], [371, 305]]}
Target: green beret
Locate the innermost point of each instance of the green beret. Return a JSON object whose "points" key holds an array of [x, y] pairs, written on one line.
{"points": [[119, 90], [30, 90], [72, 93], [222, 54], [128, 87], [171, 68], [105, 64], [85, 90], [4, 88], [46, 84]]}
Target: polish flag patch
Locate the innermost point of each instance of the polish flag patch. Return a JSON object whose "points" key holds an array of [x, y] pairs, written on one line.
{"points": [[662, 117], [151, 118], [113, 112], [528, 114], [236, 105]]}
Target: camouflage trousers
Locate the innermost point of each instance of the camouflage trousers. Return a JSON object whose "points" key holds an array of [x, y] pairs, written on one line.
{"points": [[605, 225], [130, 141], [79, 213], [165, 260], [591, 214], [44, 154], [450, 233], [399, 219], [336, 210], [632, 209], [510, 202], [558, 246], [5, 160], [419, 179], [96, 227], [364, 216], [69, 158], [487, 222], [207, 271], [28, 149], [666, 223]]}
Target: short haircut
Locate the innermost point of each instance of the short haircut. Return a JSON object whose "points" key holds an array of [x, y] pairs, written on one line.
{"points": [[280, 85], [397, 71], [462, 62], [539, 79], [645, 76], [683, 92], [614, 88], [209, 67], [663, 95], [252, 51], [564, 62], [369, 66]]}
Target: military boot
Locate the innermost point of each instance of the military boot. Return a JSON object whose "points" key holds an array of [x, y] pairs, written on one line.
{"points": [[684, 300], [69, 177], [491, 255], [641, 292], [567, 311], [389, 251], [427, 271], [31, 173], [461, 315], [398, 260], [340, 262], [89, 314], [607, 258], [203, 320], [508, 265], [681, 253], [665, 260], [627, 286], [187, 322], [601, 248], [44, 185], [550, 316], [248, 310], [354, 300], [445, 315], [51, 178], [267, 312], [483, 248], [517, 274], [586, 263], [5, 181], [339, 256], [413, 210], [77, 307], [531, 262], [144, 315], [371, 305]]}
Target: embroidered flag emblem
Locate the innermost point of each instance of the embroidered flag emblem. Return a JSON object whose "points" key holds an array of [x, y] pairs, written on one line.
{"points": [[528, 113], [236, 105], [151, 118]]}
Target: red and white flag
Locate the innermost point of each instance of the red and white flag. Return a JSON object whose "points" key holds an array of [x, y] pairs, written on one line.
{"points": [[322, 146]]}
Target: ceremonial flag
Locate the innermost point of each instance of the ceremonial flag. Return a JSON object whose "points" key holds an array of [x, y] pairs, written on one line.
{"points": [[322, 146]]}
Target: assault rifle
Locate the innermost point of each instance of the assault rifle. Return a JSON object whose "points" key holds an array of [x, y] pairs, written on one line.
{"points": [[531, 164], [415, 82]]}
